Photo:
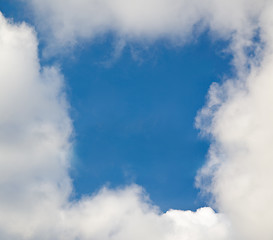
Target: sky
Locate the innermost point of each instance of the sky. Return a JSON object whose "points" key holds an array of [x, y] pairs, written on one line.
{"points": [[136, 119]]}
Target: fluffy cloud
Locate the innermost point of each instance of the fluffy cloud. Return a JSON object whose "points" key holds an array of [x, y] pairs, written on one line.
{"points": [[65, 22], [237, 118], [35, 151], [34, 134]]}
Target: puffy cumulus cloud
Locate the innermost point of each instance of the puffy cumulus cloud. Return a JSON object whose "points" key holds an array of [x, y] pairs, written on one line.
{"points": [[34, 133], [65, 22], [124, 214], [238, 118], [35, 151], [69, 21]]}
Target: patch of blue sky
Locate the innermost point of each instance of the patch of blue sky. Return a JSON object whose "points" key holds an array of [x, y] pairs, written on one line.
{"points": [[134, 119], [15, 10]]}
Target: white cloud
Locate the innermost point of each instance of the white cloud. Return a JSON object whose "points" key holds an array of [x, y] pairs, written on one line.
{"points": [[34, 133], [35, 150], [65, 22], [237, 117]]}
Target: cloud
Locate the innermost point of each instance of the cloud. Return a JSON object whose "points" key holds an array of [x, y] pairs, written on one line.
{"points": [[34, 133], [237, 118], [35, 151], [70, 21], [65, 23]]}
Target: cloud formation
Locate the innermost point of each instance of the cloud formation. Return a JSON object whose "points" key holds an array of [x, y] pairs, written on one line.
{"points": [[238, 118], [35, 151], [68, 22], [35, 135]]}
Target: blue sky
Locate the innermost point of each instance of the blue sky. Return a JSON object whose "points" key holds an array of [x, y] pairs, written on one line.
{"points": [[140, 119], [134, 120]]}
